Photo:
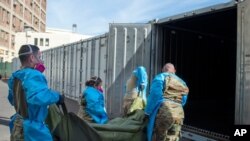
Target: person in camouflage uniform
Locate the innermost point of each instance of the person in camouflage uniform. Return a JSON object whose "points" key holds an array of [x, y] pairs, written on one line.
{"points": [[169, 94]]}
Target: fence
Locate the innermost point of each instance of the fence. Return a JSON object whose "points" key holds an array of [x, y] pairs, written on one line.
{"points": [[5, 69]]}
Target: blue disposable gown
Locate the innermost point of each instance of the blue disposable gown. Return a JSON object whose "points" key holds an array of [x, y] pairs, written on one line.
{"points": [[142, 79], [38, 97], [155, 99], [95, 105]]}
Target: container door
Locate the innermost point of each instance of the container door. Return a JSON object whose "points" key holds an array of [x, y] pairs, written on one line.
{"points": [[242, 111], [128, 47]]}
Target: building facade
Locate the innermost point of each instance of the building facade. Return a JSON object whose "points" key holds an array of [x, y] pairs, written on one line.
{"points": [[47, 40], [15, 16]]}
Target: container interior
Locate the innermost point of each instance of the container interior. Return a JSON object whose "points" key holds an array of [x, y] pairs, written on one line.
{"points": [[203, 50]]}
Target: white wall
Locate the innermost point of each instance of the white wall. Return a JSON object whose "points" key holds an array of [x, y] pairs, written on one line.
{"points": [[56, 38], [6, 54]]}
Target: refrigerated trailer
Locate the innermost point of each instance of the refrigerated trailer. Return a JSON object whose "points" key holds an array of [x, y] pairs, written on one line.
{"points": [[203, 46], [210, 48]]}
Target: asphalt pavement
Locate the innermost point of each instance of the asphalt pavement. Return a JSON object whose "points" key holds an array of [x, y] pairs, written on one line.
{"points": [[6, 111]]}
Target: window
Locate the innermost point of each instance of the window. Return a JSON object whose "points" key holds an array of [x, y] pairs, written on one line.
{"points": [[3, 15], [12, 41], [14, 21], [6, 52], [47, 42], [6, 36], [13, 53], [8, 18], [35, 41], [41, 41], [1, 34], [21, 9], [1, 52]]}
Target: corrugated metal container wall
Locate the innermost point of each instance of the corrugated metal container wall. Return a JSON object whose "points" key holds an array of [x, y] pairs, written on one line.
{"points": [[69, 50], [88, 55], [46, 57], [54, 67], [94, 60], [129, 47], [75, 62], [242, 112], [68, 67], [78, 71], [57, 65], [83, 72], [102, 71]]}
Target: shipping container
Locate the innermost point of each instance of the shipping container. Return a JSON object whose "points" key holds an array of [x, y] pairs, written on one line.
{"points": [[129, 47], [69, 66], [47, 58], [203, 47], [209, 47]]}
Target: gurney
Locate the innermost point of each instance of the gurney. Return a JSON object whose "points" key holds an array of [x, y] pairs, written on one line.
{"points": [[69, 127]]}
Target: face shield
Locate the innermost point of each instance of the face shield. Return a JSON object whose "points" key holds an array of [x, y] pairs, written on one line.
{"points": [[39, 66]]}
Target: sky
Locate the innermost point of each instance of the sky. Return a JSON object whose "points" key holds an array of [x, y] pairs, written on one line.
{"points": [[93, 16]]}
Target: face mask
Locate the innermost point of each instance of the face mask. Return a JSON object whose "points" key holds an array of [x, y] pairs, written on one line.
{"points": [[100, 89], [40, 67]]}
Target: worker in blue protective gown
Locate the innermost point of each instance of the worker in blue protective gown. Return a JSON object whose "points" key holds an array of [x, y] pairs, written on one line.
{"points": [[168, 95], [135, 87], [37, 95], [92, 108]]}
